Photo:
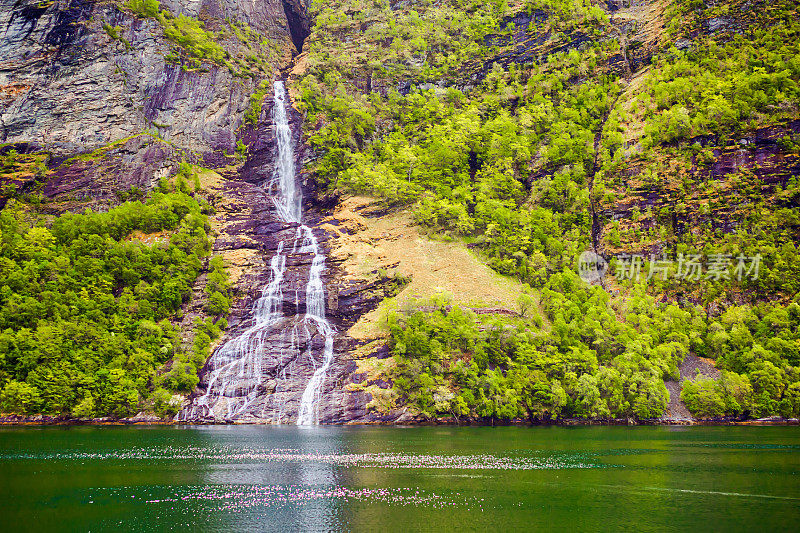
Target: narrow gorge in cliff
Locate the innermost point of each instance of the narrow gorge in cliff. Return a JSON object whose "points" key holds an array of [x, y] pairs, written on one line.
{"points": [[399, 212]]}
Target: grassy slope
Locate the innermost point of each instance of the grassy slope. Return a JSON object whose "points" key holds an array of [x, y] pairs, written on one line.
{"points": [[530, 121]]}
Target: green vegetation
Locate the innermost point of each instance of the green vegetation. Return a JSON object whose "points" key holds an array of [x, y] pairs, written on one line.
{"points": [[191, 35], [196, 44], [424, 41], [256, 100], [115, 32], [529, 160], [144, 8], [524, 129], [708, 398], [696, 105], [187, 32], [86, 306], [18, 170], [724, 88], [760, 348], [217, 288], [587, 363], [464, 158]]}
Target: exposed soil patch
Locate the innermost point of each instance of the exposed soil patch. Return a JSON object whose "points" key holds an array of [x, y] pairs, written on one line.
{"points": [[393, 242], [689, 369]]}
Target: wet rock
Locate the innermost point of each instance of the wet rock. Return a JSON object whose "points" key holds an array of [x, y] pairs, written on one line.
{"points": [[143, 418], [273, 378]]}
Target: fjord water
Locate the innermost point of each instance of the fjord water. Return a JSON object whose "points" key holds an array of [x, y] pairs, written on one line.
{"points": [[321, 478]]}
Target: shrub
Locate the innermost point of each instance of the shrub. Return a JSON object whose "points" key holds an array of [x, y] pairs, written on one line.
{"points": [[19, 398], [702, 397], [144, 8]]}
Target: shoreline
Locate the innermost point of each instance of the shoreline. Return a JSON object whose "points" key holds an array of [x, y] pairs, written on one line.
{"points": [[42, 420]]}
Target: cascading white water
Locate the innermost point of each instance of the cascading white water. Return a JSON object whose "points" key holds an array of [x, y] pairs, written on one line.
{"points": [[289, 198], [235, 369], [315, 311], [237, 363]]}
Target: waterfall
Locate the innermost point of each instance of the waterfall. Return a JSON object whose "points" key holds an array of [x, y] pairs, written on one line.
{"points": [[315, 311], [237, 377], [289, 199]]}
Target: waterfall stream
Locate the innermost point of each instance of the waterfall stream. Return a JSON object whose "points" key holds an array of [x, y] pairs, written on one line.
{"points": [[236, 373], [315, 310]]}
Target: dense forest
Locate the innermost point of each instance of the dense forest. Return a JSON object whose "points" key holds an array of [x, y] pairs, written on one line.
{"points": [[86, 304], [532, 132], [529, 162]]}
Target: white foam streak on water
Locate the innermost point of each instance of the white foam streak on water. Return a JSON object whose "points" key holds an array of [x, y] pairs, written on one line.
{"points": [[236, 367], [395, 461], [239, 497]]}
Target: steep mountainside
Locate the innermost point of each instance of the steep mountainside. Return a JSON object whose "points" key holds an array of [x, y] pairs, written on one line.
{"points": [[530, 209], [650, 147]]}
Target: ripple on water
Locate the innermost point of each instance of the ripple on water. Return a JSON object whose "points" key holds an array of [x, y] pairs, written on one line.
{"points": [[237, 497], [359, 460]]}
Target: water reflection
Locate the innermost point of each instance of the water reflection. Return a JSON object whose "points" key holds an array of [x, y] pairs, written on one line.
{"points": [[295, 494], [245, 478], [322, 514]]}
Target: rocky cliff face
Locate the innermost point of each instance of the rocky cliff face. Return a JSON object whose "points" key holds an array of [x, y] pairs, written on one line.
{"points": [[101, 101], [93, 78], [758, 155], [250, 235], [107, 102]]}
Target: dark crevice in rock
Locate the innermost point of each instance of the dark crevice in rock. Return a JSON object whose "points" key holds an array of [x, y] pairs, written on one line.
{"points": [[29, 16], [67, 28], [298, 21]]}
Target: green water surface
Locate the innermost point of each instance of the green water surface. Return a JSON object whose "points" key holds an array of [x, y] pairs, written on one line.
{"points": [[255, 478]]}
